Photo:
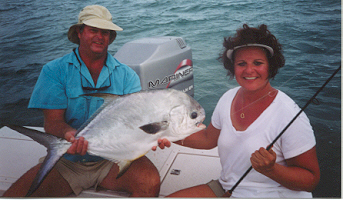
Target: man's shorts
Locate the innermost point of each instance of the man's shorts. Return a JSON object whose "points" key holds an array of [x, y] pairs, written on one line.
{"points": [[83, 175], [216, 187]]}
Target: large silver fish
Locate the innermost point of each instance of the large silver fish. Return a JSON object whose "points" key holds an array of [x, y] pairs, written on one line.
{"points": [[126, 127]]}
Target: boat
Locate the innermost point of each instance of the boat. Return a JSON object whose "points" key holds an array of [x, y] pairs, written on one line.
{"points": [[160, 62]]}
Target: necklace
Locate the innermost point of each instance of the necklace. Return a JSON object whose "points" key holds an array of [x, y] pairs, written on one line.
{"points": [[242, 115]]}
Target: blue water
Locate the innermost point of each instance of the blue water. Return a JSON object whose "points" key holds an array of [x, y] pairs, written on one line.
{"points": [[34, 32]]}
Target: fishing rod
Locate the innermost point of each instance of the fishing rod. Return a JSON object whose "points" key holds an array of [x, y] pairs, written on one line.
{"points": [[229, 192]]}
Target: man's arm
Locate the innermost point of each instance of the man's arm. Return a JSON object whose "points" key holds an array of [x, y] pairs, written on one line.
{"points": [[54, 123]]}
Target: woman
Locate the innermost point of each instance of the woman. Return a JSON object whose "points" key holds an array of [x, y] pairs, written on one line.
{"points": [[248, 118]]}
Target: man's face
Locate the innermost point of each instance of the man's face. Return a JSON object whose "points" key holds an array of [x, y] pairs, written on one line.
{"points": [[94, 39]]}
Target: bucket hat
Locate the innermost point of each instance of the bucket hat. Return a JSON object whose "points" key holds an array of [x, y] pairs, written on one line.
{"points": [[95, 16]]}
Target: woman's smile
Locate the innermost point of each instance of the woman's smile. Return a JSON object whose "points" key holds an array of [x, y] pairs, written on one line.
{"points": [[251, 68]]}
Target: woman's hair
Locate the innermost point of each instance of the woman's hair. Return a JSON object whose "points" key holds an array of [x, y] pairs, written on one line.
{"points": [[247, 35]]}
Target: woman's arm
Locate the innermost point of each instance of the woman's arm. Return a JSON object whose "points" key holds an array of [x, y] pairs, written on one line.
{"points": [[204, 139], [54, 123], [301, 173]]}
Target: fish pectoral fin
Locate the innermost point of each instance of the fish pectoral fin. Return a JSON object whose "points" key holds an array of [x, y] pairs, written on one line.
{"points": [[123, 167], [155, 127]]}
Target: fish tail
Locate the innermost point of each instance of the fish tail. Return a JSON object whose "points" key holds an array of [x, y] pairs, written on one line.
{"points": [[56, 147]]}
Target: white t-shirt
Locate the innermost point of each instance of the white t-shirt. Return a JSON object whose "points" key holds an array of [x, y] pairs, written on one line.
{"points": [[235, 147]]}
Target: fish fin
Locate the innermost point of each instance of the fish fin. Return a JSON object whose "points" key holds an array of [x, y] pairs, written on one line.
{"points": [[38, 136], [155, 127], [49, 162], [105, 96], [123, 167], [55, 152]]}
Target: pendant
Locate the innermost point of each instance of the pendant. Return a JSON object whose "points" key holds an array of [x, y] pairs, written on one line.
{"points": [[242, 115]]}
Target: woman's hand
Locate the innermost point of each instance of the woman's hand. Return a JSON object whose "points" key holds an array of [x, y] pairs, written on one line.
{"points": [[301, 172], [263, 161], [79, 146], [162, 143]]}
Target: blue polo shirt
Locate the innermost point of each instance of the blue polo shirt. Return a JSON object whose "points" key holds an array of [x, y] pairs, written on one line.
{"points": [[62, 82]]}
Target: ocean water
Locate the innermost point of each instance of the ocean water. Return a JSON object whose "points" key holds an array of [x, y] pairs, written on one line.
{"points": [[34, 32]]}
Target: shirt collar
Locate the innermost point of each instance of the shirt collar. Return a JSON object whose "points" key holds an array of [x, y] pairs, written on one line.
{"points": [[110, 65]]}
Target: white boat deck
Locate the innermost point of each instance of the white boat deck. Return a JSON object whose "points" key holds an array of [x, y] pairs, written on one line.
{"points": [[179, 167]]}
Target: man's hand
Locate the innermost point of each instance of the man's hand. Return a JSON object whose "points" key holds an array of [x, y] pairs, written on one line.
{"points": [[79, 146], [162, 143]]}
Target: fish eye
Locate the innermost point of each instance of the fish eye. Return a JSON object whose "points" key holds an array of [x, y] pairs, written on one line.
{"points": [[194, 115]]}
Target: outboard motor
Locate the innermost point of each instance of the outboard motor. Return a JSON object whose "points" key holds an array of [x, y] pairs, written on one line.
{"points": [[160, 62]]}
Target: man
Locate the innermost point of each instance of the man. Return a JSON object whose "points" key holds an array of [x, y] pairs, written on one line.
{"points": [[88, 69]]}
